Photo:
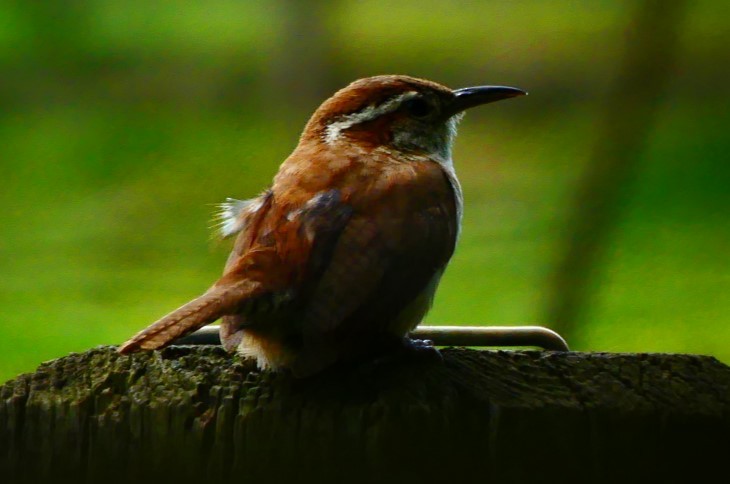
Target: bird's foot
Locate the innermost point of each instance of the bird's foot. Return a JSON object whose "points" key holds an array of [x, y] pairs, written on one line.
{"points": [[422, 348], [406, 349]]}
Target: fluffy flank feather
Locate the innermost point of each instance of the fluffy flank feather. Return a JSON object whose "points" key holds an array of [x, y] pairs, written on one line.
{"points": [[230, 219]]}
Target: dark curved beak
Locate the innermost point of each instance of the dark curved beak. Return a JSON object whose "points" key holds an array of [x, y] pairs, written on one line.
{"points": [[469, 97]]}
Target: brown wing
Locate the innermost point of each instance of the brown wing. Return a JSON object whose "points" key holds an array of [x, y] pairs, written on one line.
{"points": [[383, 262], [370, 274], [301, 241]]}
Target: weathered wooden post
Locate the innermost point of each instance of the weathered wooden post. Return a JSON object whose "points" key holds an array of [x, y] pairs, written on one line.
{"points": [[194, 414]]}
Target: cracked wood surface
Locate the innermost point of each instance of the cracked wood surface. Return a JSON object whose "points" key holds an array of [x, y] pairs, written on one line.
{"points": [[195, 413]]}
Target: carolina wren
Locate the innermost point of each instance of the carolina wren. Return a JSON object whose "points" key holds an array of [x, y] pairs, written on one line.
{"points": [[344, 252]]}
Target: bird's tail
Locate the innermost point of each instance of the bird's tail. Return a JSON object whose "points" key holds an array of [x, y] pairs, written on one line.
{"points": [[216, 302]]}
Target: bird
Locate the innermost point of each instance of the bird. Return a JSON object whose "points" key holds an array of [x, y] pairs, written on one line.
{"points": [[341, 256]]}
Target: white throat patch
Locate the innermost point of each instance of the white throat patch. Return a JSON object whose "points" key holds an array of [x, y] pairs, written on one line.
{"points": [[335, 128]]}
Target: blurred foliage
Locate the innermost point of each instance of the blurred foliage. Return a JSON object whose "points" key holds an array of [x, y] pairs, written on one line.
{"points": [[122, 122]]}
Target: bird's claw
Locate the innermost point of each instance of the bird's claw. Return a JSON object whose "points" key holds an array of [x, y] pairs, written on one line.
{"points": [[422, 348]]}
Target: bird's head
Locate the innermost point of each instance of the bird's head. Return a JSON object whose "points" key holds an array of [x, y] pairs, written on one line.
{"points": [[398, 113]]}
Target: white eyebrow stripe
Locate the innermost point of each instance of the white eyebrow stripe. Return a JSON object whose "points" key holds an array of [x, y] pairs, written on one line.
{"points": [[335, 128]]}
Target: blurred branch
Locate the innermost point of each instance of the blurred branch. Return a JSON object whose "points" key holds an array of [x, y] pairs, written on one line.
{"points": [[650, 53], [301, 71]]}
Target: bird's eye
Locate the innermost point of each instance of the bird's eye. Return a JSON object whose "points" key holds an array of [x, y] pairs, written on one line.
{"points": [[418, 107]]}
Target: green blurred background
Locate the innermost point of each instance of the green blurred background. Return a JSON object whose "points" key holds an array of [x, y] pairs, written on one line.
{"points": [[122, 122]]}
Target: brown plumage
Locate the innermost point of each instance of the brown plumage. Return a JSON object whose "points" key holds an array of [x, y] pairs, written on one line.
{"points": [[343, 253]]}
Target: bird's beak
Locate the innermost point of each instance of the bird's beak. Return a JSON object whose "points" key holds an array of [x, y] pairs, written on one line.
{"points": [[469, 97]]}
